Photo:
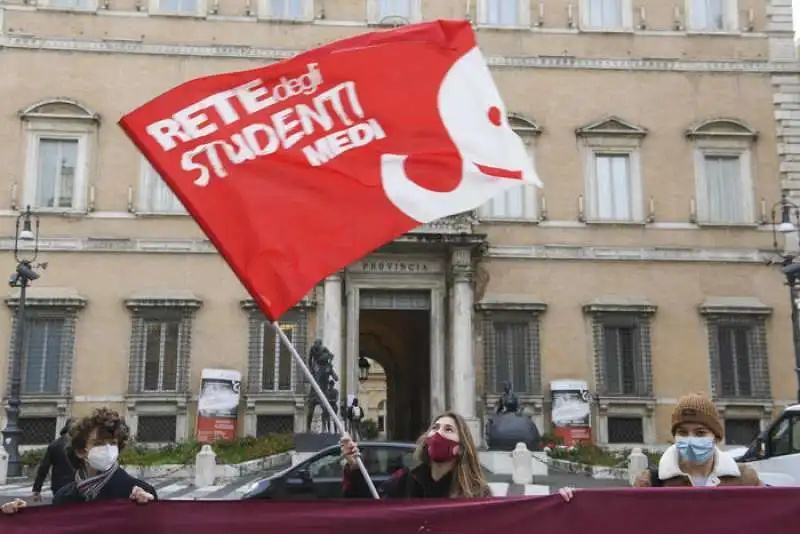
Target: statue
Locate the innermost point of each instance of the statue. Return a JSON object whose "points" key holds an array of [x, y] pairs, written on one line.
{"points": [[320, 363], [509, 425], [509, 402], [333, 398]]}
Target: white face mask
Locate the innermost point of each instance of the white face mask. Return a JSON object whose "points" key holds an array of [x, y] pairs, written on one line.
{"points": [[102, 457]]}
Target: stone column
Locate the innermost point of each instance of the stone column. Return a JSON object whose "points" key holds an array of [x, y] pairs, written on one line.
{"points": [[437, 351], [462, 379], [332, 322], [353, 308]]}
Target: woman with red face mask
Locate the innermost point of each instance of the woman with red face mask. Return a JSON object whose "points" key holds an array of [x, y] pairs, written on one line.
{"points": [[448, 466]]}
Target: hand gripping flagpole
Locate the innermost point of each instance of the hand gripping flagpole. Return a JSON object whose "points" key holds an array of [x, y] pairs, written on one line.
{"points": [[325, 404]]}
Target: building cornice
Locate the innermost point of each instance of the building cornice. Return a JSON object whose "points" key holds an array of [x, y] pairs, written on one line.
{"points": [[111, 46], [522, 252]]}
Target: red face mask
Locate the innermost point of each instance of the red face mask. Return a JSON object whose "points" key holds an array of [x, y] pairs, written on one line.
{"points": [[441, 449]]}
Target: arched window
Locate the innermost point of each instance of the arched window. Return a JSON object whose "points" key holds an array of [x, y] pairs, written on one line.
{"points": [[518, 203], [723, 171], [61, 135]]}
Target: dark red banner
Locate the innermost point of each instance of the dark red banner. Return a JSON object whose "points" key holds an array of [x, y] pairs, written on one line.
{"points": [[628, 511]]}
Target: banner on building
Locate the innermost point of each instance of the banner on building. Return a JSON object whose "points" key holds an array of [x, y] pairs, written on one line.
{"points": [[571, 412], [218, 405], [625, 511]]}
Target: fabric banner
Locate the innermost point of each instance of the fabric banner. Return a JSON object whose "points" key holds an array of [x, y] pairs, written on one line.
{"points": [[297, 169], [627, 511]]}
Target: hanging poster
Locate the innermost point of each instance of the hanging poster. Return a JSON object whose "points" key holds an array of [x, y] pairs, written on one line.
{"points": [[571, 412], [218, 405]]}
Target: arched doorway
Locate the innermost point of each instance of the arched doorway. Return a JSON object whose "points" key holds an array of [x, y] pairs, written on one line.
{"points": [[398, 340]]}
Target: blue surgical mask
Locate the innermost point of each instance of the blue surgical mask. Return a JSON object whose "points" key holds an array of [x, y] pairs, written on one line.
{"points": [[695, 450]]}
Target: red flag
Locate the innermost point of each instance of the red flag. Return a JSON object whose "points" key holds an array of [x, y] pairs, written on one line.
{"points": [[299, 168]]}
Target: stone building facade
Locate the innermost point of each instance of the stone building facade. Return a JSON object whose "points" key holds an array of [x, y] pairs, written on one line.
{"points": [[664, 132]]}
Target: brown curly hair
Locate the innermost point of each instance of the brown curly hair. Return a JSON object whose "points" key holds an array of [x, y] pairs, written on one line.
{"points": [[109, 425]]}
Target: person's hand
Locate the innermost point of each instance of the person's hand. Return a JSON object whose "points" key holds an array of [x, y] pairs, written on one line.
{"points": [[566, 493], [37, 496], [349, 449], [140, 496], [13, 507]]}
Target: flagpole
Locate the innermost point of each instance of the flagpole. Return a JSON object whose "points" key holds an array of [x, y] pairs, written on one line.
{"points": [[325, 404]]}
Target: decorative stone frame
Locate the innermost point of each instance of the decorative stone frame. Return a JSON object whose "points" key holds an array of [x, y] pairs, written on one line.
{"points": [[612, 135], [513, 308], [615, 311], [60, 118], [172, 305], [723, 137], [529, 130], [57, 303], [257, 400], [751, 313]]}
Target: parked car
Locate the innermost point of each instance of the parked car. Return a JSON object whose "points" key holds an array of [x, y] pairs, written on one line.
{"points": [[320, 477], [775, 454]]}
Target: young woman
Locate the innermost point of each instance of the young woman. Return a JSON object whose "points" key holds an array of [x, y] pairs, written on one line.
{"points": [[695, 459], [94, 447], [448, 466]]}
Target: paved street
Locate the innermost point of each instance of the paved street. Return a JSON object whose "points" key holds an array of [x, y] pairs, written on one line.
{"points": [[182, 489]]}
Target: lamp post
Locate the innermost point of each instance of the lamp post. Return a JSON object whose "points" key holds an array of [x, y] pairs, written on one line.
{"points": [[790, 269], [21, 278]]}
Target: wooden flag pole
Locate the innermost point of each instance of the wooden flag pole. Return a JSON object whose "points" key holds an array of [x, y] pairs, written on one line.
{"points": [[324, 401]]}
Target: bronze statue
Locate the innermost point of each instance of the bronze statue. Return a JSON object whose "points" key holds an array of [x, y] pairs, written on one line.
{"points": [[320, 363], [509, 402]]}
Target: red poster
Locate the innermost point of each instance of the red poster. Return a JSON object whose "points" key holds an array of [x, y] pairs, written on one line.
{"points": [[299, 168]]}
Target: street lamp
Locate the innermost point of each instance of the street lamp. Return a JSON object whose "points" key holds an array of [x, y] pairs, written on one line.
{"points": [[363, 368], [790, 223], [21, 278]]}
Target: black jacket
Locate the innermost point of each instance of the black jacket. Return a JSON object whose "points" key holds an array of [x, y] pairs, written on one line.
{"points": [[119, 486], [406, 483], [55, 458]]}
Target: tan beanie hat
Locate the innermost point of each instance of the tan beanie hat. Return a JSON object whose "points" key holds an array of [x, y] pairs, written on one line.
{"points": [[699, 409]]}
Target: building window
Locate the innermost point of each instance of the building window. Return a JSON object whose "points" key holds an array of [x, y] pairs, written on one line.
{"points": [[60, 133], [161, 343], [156, 196], [156, 428], [83, 5], [188, 8], [518, 203], [38, 430], [606, 14], [267, 425], [276, 360], [741, 431], [623, 430], [622, 347], [713, 15], [723, 174], [504, 13], [394, 11], [613, 180], [271, 367], [288, 9], [738, 354], [51, 319], [511, 344]]}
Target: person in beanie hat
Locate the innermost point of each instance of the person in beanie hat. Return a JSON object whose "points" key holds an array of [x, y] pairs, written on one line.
{"points": [[695, 459]]}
